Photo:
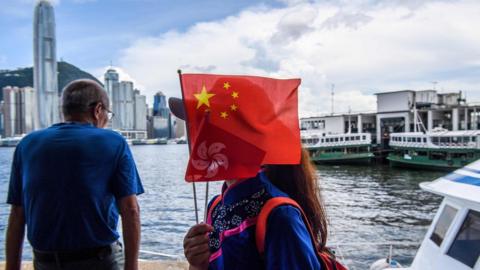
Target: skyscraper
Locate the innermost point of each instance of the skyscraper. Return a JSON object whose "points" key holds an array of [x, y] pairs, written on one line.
{"points": [[160, 104], [161, 120], [123, 106], [140, 105], [111, 83], [45, 65], [19, 110]]}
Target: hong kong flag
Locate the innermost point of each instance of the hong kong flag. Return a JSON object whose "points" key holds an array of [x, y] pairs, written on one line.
{"points": [[219, 155], [260, 111]]}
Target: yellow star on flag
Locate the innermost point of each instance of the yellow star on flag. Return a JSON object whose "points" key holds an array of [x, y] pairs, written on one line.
{"points": [[224, 115], [233, 107], [235, 94], [203, 97], [226, 85]]}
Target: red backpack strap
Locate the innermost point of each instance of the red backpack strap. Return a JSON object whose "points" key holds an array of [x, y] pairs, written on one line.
{"points": [[215, 202], [327, 260], [261, 227]]}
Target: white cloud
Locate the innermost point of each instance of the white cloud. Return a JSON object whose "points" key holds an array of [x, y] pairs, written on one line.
{"points": [[361, 46]]}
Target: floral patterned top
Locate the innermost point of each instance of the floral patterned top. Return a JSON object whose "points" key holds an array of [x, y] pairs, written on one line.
{"points": [[232, 243]]}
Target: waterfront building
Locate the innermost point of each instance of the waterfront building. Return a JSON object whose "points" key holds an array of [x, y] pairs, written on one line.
{"points": [[423, 129], [45, 65], [159, 104], [123, 106], [111, 82], [140, 117], [161, 126], [128, 105], [19, 110], [340, 138], [161, 122], [341, 123], [408, 110]]}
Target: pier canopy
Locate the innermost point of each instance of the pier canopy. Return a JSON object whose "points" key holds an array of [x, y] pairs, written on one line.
{"points": [[463, 184]]}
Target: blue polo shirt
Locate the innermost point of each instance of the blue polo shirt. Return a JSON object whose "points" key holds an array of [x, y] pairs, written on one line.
{"points": [[69, 178]]}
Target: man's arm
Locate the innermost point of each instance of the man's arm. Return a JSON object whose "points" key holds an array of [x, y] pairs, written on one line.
{"points": [[15, 235], [130, 213]]}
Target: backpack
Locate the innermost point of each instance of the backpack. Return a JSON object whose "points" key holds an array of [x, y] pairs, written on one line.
{"points": [[326, 258]]}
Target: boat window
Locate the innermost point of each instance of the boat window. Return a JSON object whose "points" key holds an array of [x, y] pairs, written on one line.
{"points": [[419, 139], [424, 140], [474, 139], [336, 139], [357, 137], [443, 224], [466, 247], [341, 139], [322, 140], [352, 138], [364, 137], [347, 139], [409, 139]]}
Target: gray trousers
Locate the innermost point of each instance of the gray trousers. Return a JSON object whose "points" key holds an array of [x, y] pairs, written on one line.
{"points": [[114, 261]]}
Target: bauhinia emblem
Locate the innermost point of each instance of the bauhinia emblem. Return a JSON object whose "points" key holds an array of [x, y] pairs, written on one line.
{"points": [[210, 158]]}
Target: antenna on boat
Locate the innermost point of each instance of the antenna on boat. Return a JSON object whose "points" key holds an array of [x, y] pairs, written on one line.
{"points": [[418, 125], [333, 95], [415, 116], [434, 85]]}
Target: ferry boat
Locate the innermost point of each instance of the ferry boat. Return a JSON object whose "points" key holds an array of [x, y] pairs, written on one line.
{"points": [[439, 149], [11, 141], [453, 240], [346, 148]]}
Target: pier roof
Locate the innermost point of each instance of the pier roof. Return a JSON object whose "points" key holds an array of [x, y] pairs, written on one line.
{"points": [[396, 91]]}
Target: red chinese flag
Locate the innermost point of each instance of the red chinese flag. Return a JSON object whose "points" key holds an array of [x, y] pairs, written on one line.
{"points": [[261, 111], [219, 155]]}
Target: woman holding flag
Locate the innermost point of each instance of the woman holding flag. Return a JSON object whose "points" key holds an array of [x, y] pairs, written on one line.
{"points": [[288, 243], [271, 216]]}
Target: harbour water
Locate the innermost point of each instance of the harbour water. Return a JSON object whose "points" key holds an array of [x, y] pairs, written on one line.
{"points": [[369, 208]]}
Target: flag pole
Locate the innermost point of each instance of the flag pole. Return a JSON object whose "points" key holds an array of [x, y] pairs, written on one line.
{"points": [[189, 147], [206, 203], [205, 214]]}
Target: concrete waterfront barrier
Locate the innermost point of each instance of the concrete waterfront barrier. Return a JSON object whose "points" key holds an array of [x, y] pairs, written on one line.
{"points": [[144, 265]]}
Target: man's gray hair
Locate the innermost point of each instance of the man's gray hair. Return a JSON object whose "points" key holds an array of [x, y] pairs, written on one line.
{"points": [[79, 96]]}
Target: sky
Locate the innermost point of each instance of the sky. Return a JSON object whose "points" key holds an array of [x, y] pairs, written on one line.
{"points": [[356, 47]]}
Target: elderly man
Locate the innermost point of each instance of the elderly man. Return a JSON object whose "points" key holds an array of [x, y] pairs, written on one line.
{"points": [[69, 183]]}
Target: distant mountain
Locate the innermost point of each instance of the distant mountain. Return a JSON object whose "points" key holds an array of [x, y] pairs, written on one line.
{"points": [[24, 76]]}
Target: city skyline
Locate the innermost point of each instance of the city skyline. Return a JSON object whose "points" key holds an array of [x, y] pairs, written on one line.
{"points": [[362, 47]]}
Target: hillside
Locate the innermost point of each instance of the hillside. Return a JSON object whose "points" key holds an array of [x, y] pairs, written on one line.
{"points": [[24, 76]]}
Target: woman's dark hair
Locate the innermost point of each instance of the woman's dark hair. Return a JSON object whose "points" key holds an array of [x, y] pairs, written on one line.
{"points": [[301, 184]]}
